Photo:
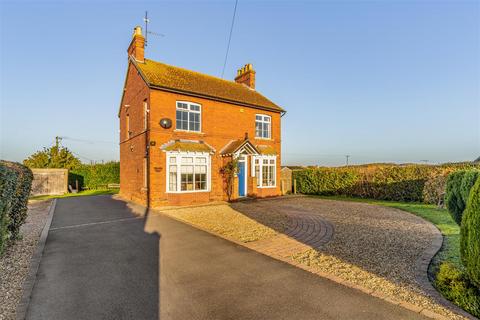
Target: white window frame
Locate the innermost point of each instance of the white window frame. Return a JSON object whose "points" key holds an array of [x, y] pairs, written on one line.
{"points": [[189, 110], [260, 172], [264, 121], [178, 163]]}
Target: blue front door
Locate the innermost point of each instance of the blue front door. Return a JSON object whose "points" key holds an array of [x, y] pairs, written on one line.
{"points": [[241, 179]]}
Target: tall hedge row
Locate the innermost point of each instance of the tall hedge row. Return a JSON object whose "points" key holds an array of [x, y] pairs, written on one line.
{"points": [[453, 197], [457, 192], [470, 235], [15, 186], [95, 176], [377, 181]]}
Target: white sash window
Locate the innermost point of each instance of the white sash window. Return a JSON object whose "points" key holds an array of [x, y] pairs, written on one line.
{"points": [[188, 116], [263, 126], [265, 169]]}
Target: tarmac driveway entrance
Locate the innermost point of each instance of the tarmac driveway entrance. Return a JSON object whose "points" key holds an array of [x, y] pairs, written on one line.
{"points": [[100, 263]]}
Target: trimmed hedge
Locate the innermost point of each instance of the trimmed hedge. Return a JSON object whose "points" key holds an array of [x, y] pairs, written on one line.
{"points": [[470, 235], [15, 186], [453, 198], [458, 189], [468, 181], [374, 181], [95, 176]]}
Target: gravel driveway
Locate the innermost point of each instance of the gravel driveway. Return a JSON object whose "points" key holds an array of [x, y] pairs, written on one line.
{"points": [[372, 246]]}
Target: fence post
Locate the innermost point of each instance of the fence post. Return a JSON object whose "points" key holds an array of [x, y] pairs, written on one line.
{"points": [[294, 186]]}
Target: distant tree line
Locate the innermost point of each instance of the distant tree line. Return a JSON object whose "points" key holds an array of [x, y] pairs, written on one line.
{"points": [[88, 176]]}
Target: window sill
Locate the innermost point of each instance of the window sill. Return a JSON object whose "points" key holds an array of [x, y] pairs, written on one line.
{"points": [[188, 131], [266, 187], [260, 138], [187, 192]]}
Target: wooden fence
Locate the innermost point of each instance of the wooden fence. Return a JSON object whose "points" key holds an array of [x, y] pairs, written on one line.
{"points": [[49, 182], [286, 180]]}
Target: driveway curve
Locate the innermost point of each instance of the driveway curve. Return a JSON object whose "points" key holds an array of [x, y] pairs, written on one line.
{"points": [[384, 250]]}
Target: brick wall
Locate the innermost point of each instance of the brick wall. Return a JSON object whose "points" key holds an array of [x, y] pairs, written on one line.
{"points": [[132, 147]]}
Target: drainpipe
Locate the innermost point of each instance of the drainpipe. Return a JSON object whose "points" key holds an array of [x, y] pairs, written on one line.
{"points": [[147, 154]]}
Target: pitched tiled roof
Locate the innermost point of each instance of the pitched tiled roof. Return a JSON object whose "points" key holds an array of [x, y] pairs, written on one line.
{"points": [[187, 146], [162, 75], [237, 145], [266, 150]]}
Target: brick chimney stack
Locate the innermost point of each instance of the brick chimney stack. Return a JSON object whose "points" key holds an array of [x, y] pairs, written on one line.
{"points": [[246, 76], [137, 46]]}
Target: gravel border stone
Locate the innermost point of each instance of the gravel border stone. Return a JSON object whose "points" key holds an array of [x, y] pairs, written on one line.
{"points": [[34, 264]]}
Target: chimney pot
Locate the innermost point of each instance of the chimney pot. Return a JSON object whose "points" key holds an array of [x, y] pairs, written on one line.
{"points": [[137, 31], [246, 76]]}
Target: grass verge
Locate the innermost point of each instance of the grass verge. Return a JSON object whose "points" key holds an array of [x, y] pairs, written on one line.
{"points": [[79, 194]]}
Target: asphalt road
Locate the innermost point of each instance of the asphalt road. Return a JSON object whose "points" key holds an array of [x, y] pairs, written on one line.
{"points": [[101, 262]]}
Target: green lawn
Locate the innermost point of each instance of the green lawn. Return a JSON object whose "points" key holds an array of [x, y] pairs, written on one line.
{"points": [[450, 251], [79, 194]]}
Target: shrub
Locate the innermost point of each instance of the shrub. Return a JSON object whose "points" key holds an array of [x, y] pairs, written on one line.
{"points": [[456, 287], [470, 235], [434, 189], [95, 176], [453, 198], [15, 185], [18, 213], [468, 181], [8, 180]]}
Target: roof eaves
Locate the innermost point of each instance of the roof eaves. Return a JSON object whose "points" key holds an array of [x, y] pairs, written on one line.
{"points": [[165, 147], [200, 95]]}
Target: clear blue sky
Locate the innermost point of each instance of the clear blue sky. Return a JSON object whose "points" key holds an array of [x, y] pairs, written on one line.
{"points": [[382, 81]]}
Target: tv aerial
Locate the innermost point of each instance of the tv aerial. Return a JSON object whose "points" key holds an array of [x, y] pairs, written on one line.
{"points": [[146, 20]]}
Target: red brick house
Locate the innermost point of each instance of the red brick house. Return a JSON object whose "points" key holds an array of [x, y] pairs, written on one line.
{"points": [[178, 128]]}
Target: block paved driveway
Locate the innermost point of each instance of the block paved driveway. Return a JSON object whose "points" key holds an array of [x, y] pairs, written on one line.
{"points": [[100, 263]]}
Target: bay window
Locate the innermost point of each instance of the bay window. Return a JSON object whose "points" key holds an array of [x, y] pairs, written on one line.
{"points": [[265, 169], [187, 172]]}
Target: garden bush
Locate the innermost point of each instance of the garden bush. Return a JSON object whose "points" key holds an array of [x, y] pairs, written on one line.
{"points": [[434, 189], [15, 185], [470, 235], [456, 287], [375, 181], [95, 176], [468, 181], [453, 197]]}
